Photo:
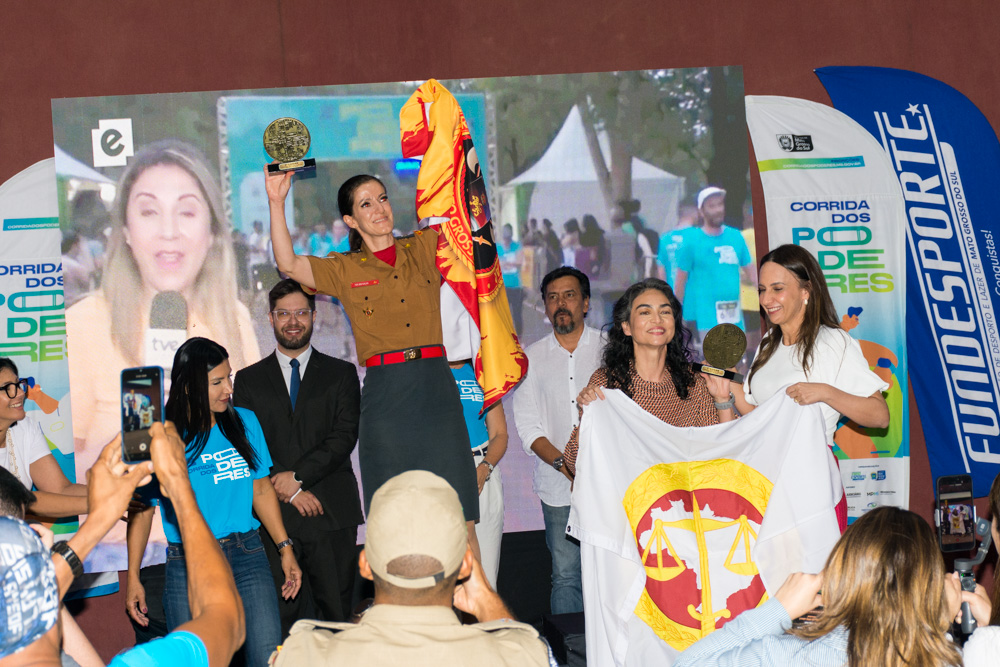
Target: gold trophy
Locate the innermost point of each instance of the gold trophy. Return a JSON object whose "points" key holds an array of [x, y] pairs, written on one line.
{"points": [[287, 141], [724, 346]]}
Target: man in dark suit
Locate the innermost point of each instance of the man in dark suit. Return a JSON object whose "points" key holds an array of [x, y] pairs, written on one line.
{"points": [[308, 405]]}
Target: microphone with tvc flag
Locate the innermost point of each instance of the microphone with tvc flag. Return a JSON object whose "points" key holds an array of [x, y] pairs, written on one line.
{"points": [[168, 320]]}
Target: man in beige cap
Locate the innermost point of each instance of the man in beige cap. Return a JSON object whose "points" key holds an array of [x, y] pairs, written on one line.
{"points": [[418, 556]]}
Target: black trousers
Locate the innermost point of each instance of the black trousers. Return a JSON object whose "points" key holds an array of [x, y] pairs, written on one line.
{"points": [[328, 559], [411, 419]]}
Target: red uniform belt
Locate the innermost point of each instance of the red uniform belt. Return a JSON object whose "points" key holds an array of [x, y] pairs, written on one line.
{"points": [[409, 354]]}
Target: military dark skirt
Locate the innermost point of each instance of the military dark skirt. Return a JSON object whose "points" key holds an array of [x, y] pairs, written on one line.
{"points": [[411, 419]]}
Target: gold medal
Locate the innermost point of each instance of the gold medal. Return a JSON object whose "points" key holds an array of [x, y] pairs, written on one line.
{"points": [[287, 140], [723, 347]]}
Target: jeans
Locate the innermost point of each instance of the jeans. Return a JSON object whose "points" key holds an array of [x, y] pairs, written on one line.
{"points": [[567, 584], [245, 553]]}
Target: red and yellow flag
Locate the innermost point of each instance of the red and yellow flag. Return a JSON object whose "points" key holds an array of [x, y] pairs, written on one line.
{"points": [[450, 185]]}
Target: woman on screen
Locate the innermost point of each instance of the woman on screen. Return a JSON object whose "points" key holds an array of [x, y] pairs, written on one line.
{"points": [[169, 234]]}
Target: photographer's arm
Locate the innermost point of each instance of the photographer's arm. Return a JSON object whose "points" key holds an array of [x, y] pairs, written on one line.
{"points": [[110, 485], [216, 610]]}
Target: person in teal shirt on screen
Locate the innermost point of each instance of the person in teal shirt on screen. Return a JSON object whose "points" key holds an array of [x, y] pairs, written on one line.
{"points": [[711, 261]]}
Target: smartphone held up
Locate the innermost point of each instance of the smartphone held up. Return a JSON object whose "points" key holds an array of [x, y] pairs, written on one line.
{"points": [[956, 513], [142, 405]]}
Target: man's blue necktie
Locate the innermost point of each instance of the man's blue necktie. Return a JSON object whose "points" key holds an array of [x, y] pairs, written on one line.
{"points": [[293, 390]]}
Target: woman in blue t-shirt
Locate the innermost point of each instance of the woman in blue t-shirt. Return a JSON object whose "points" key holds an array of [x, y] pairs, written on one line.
{"points": [[228, 463]]}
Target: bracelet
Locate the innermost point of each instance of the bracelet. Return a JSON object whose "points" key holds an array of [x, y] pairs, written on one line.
{"points": [[66, 551], [490, 467], [295, 494], [725, 405]]}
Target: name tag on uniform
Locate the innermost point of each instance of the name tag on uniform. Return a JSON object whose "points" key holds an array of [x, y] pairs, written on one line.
{"points": [[366, 283]]}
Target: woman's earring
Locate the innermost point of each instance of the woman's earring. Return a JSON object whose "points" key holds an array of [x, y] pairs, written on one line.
{"points": [[806, 302]]}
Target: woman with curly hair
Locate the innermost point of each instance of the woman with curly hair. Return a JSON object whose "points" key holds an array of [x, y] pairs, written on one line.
{"points": [[647, 358], [886, 602]]}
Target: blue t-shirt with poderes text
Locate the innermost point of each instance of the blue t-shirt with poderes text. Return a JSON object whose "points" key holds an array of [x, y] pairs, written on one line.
{"points": [[223, 483]]}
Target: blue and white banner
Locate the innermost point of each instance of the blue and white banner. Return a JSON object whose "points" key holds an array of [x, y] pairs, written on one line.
{"points": [[830, 189], [33, 318], [947, 159]]}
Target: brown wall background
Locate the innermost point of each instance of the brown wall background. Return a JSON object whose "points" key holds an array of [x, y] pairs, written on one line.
{"points": [[78, 48]]}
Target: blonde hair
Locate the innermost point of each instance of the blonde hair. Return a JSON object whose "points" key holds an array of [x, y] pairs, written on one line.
{"points": [[885, 583], [215, 294]]}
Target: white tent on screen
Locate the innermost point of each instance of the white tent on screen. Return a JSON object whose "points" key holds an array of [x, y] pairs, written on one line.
{"points": [[565, 184]]}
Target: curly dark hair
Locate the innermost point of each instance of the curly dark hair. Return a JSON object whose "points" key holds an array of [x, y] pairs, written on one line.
{"points": [[618, 357]]}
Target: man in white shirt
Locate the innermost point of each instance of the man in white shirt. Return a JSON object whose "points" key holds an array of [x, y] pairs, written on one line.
{"points": [[545, 411]]}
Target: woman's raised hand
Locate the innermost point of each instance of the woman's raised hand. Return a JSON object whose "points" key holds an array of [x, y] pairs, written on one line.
{"points": [[277, 185], [718, 387], [979, 600], [588, 395], [800, 593]]}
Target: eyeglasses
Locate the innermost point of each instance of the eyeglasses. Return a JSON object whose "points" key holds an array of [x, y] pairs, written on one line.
{"points": [[12, 387], [283, 315]]}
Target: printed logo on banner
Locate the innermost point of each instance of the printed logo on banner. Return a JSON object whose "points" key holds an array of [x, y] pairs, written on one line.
{"points": [[878, 475], [857, 476], [112, 142], [795, 143], [942, 240], [945, 155]]}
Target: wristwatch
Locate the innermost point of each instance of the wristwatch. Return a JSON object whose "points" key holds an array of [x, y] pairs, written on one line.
{"points": [[284, 543], [558, 462], [66, 551], [725, 405]]}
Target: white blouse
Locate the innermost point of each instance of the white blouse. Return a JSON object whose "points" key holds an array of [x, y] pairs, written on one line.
{"points": [[29, 446], [837, 360]]}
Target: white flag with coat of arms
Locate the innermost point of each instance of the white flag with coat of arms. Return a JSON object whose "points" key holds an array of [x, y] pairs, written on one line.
{"points": [[681, 529]]}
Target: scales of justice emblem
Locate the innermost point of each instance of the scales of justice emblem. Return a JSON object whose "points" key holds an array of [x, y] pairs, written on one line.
{"points": [[695, 524]]}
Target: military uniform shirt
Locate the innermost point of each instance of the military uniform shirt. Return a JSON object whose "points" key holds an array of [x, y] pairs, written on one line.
{"points": [[416, 636], [390, 308]]}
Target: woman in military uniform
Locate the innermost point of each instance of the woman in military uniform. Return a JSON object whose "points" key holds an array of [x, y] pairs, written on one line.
{"points": [[411, 414]]}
